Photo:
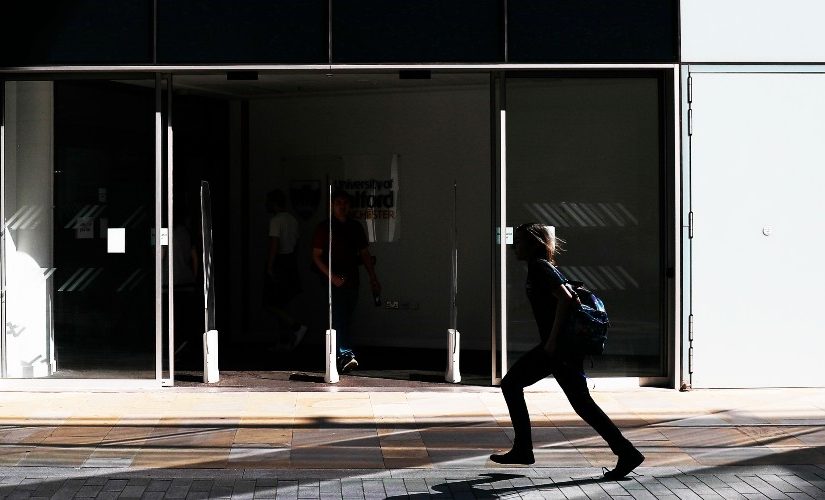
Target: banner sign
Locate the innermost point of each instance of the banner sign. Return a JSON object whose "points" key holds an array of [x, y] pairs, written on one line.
{"points": [[373, 183]]}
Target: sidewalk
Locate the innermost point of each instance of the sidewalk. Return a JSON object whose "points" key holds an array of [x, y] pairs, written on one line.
{"points": [[201, 443]]}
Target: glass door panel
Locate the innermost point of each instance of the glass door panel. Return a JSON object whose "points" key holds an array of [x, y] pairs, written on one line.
{"points": [[583, 154], [79, 208]]}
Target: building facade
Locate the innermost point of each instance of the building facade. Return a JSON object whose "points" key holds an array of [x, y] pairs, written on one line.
{"points": [[629, 126]]}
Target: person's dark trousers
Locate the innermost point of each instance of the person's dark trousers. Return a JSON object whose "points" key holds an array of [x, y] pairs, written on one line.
{"points": [[535, 365], [344, 300]]}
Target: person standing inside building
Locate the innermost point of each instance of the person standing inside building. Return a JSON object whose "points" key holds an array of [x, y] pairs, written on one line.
{"points": [[349, 248], [282, 281], [551, 302]]}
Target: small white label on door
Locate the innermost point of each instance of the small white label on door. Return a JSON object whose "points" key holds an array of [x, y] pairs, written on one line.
{"points": [[116, 240]]}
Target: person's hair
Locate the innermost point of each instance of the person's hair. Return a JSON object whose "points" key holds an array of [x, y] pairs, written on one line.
{"points": [[540, 242], [275, 199], [340, 193]]}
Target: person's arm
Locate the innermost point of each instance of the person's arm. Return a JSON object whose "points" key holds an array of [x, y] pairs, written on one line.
{"points": [[274, 245], [366, 258], [318, 259], [564, 301]]}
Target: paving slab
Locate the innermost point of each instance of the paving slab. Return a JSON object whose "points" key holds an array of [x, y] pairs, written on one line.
{"points": [[395, 442]]}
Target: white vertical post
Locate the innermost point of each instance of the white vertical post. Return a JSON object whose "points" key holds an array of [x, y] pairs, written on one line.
{"points": [[503, 240], [331, 358], [453, 374], [170, 225], [158, 223], [331, 344]]}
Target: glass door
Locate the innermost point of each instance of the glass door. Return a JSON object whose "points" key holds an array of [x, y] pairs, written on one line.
{"points": [[79, 213], [584, 154]]}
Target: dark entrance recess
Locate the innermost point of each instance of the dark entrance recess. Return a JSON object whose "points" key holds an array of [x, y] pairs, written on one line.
{"points": [[204, 135], [201, 153]]}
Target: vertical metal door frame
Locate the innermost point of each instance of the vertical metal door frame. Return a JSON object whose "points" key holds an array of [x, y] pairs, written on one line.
{"points": [[162, 169], [170, 230], [498, 216], [158, 227], [502, 216], [3, 369], [674, 293]]}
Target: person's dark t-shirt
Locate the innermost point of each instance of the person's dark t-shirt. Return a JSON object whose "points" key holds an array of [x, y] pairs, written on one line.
{"points": [[348, 239], [542, 279]]}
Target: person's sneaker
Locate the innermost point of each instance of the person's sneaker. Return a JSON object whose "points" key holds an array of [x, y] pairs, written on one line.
{"points": [[626, 463], [298, 335], [512, 457], [347, 364]]}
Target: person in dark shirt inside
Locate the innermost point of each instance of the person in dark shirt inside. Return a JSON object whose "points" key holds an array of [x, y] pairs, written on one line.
{"points": [[551, 301], [349, 248]]}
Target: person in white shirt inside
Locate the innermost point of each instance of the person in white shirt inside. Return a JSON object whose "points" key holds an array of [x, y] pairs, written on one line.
{"points": [[282, 281]]}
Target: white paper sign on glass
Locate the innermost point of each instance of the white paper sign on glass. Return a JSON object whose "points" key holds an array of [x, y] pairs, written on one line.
{"points": [[116, 240]]}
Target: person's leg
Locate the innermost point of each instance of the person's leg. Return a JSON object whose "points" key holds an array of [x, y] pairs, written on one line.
{"points": [[283, 322], [279, 290], [343, 305], [529, 369], [340, 317], [297, 328], [571, 379]]}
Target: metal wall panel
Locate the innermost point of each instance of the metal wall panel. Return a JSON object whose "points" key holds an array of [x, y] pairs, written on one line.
{"points": [[756, 184], [592, 31], [420, 31], [248, 31], [50, 32], [736, 31]]}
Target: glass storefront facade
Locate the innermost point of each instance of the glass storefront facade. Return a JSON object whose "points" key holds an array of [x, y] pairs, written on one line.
{"points": [[108, 133], [79, 217], [585, 154]]}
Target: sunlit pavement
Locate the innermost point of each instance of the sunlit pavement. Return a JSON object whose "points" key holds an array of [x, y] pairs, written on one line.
{"points": [[198, 443]]}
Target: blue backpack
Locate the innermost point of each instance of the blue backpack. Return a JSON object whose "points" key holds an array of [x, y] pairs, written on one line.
{"points": [[585, 330]]}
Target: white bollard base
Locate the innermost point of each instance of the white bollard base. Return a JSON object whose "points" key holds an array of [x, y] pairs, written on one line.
{"points": [[210, 357], [453, 374], [331, 358]]}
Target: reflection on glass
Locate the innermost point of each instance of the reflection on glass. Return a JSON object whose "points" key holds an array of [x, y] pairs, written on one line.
{"points": [[583, 156], [79, 159]]}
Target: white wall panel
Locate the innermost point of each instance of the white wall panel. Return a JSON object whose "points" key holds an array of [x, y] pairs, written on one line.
{"points": [[752, 31], [757, 178]]}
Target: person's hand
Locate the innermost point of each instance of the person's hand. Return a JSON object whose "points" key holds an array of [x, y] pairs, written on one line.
{"points": [[376, 286], [337, 281]]}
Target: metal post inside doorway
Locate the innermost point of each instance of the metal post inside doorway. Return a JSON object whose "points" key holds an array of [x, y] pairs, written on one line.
{"points": [[163, 234]]}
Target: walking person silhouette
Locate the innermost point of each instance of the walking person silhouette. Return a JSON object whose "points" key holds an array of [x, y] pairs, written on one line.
{"points": [[551, 301]]}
